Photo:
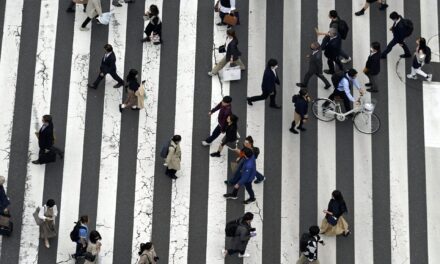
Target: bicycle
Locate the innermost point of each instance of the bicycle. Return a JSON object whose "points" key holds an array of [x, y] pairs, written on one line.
{"points": [[364, 119]]}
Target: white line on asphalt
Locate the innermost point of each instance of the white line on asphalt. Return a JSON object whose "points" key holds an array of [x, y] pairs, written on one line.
{"points": [[429, 26]]}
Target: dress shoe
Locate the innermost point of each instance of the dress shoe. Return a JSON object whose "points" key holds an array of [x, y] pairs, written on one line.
{"points": [[360, 13], [249, 102], [91, 86], [215, 154], [120, 108], [83, 28], [301, 85], [293, 130], [35, 162], [327, 86], [275, 106], [118, 85], [368, 84], [146, 39], [117, 4], [371, 90], [405, 56]]}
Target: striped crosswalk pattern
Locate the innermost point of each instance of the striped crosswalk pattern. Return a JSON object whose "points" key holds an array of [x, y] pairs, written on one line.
{"points": [[388, 176]]}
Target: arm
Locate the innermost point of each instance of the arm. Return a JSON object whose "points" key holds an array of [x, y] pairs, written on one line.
{"points": [[55, 211], [216, 108], [232, 5], [41, 213], [346, 87], [244, 236]]}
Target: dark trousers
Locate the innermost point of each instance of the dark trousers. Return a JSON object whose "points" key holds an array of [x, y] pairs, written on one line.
{"points": [[234, 251], [222, 15], [249, 189], [264, 97], [79, 251], [331, 64], [347, 103], [393, 43], [113, 74], [217, 131], [170, 172], [373, 81], [156, 29], [343, 54], [321, 76]]}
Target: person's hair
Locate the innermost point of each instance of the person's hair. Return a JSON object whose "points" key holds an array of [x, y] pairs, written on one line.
{"points": [[352, 72], [303, 92], [250, 140], [94, 236], [132, 74], [375, 45], [47, 118], [176, 138], [227, 99], [84, 219], [154, 10], [144, 246], [314, 230], [272, 63], [333, 14], [2, 180], [337, 195], [422, 43], [231, 32], [108, 47], [50, 203], [233, 118], [248, 216], [394, 15], [248, 152]]}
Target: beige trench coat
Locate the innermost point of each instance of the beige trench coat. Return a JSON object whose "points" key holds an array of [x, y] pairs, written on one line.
{"points": [[140, 93], [174, 156], [147, 257], [94, 8]]}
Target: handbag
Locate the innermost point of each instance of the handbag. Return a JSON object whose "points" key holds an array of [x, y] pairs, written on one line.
{"points": [[104, 19], [231, 73], [37, 219], [222, 49], [230, 19], [217, 6], [332, 220], [89, 256]]}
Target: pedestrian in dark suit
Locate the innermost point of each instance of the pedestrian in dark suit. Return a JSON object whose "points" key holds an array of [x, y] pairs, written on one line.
{"points": [[383, 6], [399, 34], [108, 65], [45, 137], [270, 80], [372, 67], [331, 45], [315, 66]]}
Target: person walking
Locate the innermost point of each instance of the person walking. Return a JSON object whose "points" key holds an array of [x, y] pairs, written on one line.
{"points": [[225, 110], [331, 44], [79, 235], [147, 254], [422, 55], [243, 233], [174, 156], [4, 199], [93, 248], [93, 10], [248, 172], [72, 5], [268, 86], [232, 54], [132, 87], [46, 140], [343, 89], [108, 66], [225, 7], [300, 116], [401, 30], [315, 66], [230, 137], [372, 67], [383, 6], [309, 246], [47, 214], [334, 222], [154, 27]]}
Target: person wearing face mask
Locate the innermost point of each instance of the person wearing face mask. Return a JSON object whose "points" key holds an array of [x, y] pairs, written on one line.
{"points": [[268, 86], [232, 54], [132, 86], [315, 66], [372, 67], [421, 56]]}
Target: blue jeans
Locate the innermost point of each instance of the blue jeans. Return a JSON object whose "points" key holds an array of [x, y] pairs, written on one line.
{"points": [[217, 131]]}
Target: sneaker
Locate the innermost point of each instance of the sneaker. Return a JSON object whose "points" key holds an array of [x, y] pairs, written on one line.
{"points": [[204, 143], [118, 85], [360, 13], [346, 60], [174, 177], [346, 234], [211, 74], [83, 28], [410, 76], [224, 253], [368, 84], [230, 196], [215, 154], [245, 255], [249, 201], [383, 7], [293, 130], [249, 102], [327, 86], [429, 78]]}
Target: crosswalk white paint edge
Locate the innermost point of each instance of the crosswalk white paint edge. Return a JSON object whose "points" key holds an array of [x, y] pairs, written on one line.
{"points": [[429, 26]]}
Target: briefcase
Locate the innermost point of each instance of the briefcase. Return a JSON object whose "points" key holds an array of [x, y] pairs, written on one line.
{"points": [[231, 73], [47, 157], [231, 20]]}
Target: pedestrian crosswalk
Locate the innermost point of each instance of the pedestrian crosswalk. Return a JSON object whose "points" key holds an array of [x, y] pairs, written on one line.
{"points": [[111, 169]]}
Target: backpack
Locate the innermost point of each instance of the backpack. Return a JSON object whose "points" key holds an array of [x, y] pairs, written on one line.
{"points": [[304, 242], [343, 29], [337, 78], [165, 148], [428, 55], [231, 227], [409, 26], [74, 234], [295, 98]]}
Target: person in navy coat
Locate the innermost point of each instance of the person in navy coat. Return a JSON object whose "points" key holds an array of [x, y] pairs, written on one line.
{"points": [[270, 80], [399, 34], [108, 65]]}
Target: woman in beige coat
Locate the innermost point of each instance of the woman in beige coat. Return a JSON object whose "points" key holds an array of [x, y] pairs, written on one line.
{"points": [[172, 161], [147, 255], [93, 10]]}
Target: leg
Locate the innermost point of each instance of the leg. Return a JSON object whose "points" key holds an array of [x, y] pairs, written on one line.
{"points": [[307, 77], [420, 72], [99, 79], [272, 98], [339, 63], [331, 65], [240, 63], [347, 102], [116, 77], [322, 77], [84, 24], [259, 97], [222, 16], [259, 177], [405, 49], [149, 29], [219, 66], [373, 81], [217, 131], [249, 190], [389, 47]]}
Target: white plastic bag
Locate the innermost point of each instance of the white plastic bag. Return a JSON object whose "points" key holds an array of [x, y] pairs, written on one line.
{"points": [[231, 73], [105, 18]]}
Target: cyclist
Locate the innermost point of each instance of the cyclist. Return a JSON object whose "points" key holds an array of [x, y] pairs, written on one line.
{"points": [[345, 82]]}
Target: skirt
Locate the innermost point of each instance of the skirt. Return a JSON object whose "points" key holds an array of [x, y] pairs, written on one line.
{"points": [[47, 230], [339, 229]]}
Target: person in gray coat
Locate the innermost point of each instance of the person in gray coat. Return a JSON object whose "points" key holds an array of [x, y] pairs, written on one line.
{"points": [[243, 233], [315, 66]]}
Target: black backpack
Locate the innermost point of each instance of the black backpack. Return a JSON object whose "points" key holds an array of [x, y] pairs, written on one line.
{"points": [[409, 26], [428, 55], [337, 78], [295, 98], [304, 241], [343, 29], [74, 234], [231, 227]]}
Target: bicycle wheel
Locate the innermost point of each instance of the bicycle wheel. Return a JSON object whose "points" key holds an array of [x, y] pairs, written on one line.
{"points": [[323, 109], [366, 123]]}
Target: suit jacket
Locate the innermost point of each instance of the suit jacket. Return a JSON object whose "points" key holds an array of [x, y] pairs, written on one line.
{"points": [[331, 47], [232, 50], [315, 63], [399, 30], [373, 64], [45, 137], [270, 80], [109, 64]]}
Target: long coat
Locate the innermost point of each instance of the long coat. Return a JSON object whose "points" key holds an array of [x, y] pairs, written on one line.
{"points": [[45, 137], [174, 156], [270, 80], [140, 93], [147, 257], [242, 236], [94, 8]]}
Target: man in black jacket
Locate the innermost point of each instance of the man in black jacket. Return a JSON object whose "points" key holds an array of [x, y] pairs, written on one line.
{"points": [[45, 137], [315, 66], [108, 65], [331, 45], [399, 34], [372, 67], [270, 80]]}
